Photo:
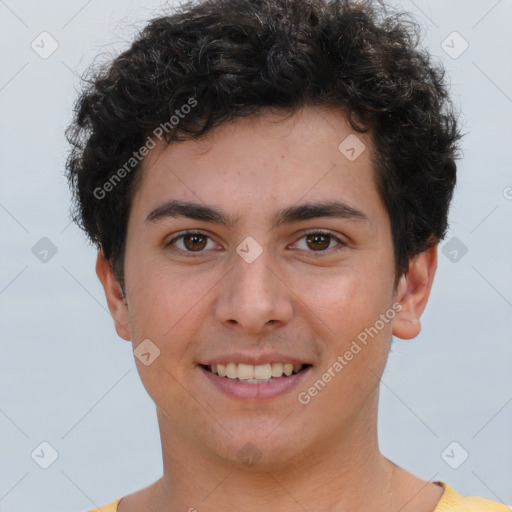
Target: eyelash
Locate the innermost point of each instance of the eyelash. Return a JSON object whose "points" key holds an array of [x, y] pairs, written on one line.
{"points": [[315, 254]]}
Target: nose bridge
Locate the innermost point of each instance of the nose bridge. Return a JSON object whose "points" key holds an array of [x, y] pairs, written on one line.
{"points": [[251, 295]]}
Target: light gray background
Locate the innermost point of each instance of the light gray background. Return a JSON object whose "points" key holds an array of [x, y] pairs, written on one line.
{"points": [[68, 380]]}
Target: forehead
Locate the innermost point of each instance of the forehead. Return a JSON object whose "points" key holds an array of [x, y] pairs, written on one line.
{"points": [[257, 163]]}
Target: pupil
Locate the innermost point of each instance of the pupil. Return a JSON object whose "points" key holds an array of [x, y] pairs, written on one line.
{"points": [[317, 239]]}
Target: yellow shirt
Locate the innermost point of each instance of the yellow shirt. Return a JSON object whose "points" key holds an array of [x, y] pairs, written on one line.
{"points": [[451, 501]]}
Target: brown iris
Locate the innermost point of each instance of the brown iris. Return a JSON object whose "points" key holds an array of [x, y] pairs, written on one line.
{"points": [[320, 240], [194, 241]]}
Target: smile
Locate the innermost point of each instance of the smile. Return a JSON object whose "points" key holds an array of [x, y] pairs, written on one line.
{"points": [[255, 382]]}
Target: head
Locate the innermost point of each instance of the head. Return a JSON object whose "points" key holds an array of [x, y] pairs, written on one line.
{"points": [[253, 107]]}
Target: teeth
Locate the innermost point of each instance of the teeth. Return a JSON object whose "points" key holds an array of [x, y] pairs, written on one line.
{"points": [[232, 370], [255, 373], [277, 369], [245, 371], [262, 371], [288, 369]]}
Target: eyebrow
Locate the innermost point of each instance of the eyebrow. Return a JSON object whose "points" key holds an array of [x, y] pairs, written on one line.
{"points": [[297, 213]]}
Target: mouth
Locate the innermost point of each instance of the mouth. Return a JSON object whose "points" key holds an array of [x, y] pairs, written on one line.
{"points": [[256, 374]]}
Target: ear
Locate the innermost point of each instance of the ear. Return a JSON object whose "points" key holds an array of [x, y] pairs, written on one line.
{"points": [[412, 293], [114, 295]]}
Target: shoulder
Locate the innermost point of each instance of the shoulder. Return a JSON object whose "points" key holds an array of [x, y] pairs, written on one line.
{"points": [[111, 507], [452, 501]]}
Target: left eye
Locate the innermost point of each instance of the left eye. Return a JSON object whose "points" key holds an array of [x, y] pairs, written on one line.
{"points": [[319, 241]]}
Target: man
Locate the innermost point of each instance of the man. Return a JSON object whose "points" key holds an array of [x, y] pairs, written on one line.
{"points": [[267, 182]]}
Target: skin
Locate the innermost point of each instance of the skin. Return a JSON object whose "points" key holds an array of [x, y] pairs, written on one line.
{"points": [[323, 455]]}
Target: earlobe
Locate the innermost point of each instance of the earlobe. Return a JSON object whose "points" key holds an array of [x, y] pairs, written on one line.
{"points": [[413, 292], [114, 295]]}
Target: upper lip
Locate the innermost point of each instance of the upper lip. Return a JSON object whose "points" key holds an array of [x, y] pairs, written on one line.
{"points": [[254, 359]]}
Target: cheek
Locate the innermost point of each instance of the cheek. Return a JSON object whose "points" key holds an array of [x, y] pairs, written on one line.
{"points": [[161, 308], [163, 301], [348, 299], [355, 339]]}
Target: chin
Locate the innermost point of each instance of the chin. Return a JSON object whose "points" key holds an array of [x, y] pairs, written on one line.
{"points": [[264, 445]]}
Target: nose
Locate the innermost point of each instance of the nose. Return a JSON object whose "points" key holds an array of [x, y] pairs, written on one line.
{"points": [[253, 296]]}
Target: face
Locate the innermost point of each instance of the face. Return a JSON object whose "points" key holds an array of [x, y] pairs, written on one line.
{"points": [[261, 249]]}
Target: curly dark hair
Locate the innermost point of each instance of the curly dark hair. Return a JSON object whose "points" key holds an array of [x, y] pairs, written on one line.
{"points": [[235, 58]]}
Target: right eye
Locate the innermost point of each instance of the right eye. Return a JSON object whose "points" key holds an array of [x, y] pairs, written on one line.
{"points": [[190, 242]]}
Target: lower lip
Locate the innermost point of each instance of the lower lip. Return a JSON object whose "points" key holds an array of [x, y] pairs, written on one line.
{"points": [[279, 386]]}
